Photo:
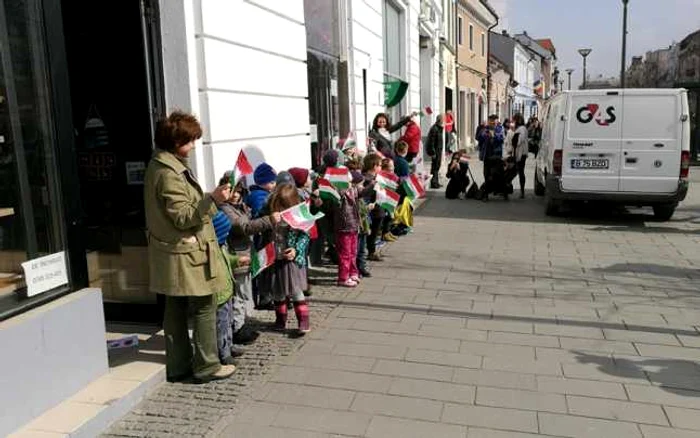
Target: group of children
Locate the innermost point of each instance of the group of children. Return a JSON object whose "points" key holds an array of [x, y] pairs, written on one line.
{"points": [[353, 227]]}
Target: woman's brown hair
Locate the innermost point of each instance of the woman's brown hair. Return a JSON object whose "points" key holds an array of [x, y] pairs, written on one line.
{"points": [[370, 162], [285, 196], [176, 130]]}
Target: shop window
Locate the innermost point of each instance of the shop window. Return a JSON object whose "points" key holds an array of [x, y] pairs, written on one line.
{"points": [[31, 224]]}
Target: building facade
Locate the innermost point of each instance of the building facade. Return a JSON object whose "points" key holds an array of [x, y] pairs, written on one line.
{"points": [[474, 19], [448, 57], [500, 90]]}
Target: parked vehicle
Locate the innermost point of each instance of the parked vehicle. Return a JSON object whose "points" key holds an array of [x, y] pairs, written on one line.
{"points": [[630, 147]]}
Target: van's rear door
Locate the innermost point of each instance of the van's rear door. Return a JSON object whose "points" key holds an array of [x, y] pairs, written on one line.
{"points": [[651, 141], [592, 143]]}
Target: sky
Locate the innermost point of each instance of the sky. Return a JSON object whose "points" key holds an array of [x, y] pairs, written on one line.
{"points": [[597, 24]]}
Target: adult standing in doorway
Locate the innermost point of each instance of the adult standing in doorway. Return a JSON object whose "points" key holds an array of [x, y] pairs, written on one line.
{"points": [[434, 149], [185, 262], [381, 133]]}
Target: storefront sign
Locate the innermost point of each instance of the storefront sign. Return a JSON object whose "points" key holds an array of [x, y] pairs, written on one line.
{"points": [[135, 172], [45, 273]]}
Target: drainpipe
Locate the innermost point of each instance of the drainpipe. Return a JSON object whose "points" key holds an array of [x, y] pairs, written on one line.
{"points": [[488, 67]]}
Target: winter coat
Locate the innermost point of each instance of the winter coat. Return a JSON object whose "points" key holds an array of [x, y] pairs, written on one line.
{"points": [[256, 200], [491, 146], [435, 140], [412, 137], [346, 215], [184, 256], [401, 167], [458, 181], [384, 145], [243, 228]]}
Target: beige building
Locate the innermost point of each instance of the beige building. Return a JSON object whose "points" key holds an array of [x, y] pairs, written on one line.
{"points": [[474, 18], [500, 91]]}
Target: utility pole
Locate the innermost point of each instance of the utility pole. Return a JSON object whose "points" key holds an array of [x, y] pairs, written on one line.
{"points": [[624, 43]]}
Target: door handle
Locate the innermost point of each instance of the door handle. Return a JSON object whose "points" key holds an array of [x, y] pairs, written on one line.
{"points": [[659, 145], [630, 160]]}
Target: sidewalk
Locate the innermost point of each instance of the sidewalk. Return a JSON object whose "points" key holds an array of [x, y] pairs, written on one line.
{"points": [[508, 324]]}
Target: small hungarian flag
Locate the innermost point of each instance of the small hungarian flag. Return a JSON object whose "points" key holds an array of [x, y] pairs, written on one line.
{"points": [[413, 187], [388, 180], [241, 169], [339, 177], [299, 217], [262, 259], [387, 199], [327, 191]]}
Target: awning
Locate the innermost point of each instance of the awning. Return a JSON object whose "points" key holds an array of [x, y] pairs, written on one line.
{"points": [[394, 92]]}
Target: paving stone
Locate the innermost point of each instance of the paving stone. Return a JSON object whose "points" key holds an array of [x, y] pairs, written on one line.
{"points": [[371, 350], [513, 352], [255, 431], [413, 370], [383, 427], [689, 341], [477, 432], [606, 372], [499, 379], [397, 406], [507, 419], [426, 342], [333, 362], [665, 396], [666, 432], [304, 395], [569, 331], [571, 426], [523, 339], [500, 326], [518, 399], [453, 333], [333, 379], [645, 337], [443, 358], [322, 420], [598, 345], [683, 418], [427, 389], [374, 315], [664, 351], [592, 388], [526, 366], [616, 410]]}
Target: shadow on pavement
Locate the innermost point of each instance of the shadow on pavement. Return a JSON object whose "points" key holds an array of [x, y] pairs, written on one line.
{"points": [[677, 376], [431, 310], [650, 268]]}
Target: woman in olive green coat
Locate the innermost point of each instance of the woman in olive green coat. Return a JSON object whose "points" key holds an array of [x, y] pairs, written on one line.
{"points": [[184, 257]]}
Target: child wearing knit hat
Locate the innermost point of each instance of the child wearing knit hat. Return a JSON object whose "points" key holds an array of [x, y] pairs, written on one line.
{"points": [[265, 181]]}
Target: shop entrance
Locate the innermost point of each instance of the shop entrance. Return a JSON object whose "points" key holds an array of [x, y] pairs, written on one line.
{"points": [[114, 68]]}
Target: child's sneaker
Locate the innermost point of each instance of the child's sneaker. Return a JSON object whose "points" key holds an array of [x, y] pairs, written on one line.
{"points": [[347, 283], [389, 237]]}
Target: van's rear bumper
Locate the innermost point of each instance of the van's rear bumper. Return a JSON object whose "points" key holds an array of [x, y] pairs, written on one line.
{"points": [[555, 192]]}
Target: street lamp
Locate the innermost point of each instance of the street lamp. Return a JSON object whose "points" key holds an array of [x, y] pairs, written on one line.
{"points": [[624, 43], [584, 53], [568, 72]]}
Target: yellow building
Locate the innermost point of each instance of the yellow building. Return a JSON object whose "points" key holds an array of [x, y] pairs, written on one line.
{"points": [[474, 19]]}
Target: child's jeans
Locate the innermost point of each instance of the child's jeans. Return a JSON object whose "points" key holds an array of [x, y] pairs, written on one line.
{"points": [[361, 260], [224, 331], [346, 244]]}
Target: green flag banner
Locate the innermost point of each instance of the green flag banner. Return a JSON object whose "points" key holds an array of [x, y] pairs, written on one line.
{"points": [[394, 91]]}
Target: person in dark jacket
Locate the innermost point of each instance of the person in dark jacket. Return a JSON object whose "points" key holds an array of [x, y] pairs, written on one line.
{"points": [[401, 167], [381, 133], [434, 149], [457, 174]]}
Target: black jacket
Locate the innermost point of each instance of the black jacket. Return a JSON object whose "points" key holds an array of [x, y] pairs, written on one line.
{"points": [[384, 145], [435, 140]]}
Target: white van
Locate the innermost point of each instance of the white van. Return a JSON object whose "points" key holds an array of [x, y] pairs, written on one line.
{"points": [[628, 146]]}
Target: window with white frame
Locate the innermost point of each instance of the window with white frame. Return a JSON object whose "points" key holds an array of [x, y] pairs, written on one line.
{"points": [[471, 37], [393, 40], [460, 31]]}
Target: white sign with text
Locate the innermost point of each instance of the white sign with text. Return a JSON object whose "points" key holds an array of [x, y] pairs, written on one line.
{"points": [[45, 273]]}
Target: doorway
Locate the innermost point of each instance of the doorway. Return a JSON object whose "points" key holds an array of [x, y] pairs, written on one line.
{"points": [[113, 51]]}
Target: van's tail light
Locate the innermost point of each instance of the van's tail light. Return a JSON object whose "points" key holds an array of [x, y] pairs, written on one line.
{"points": [[685, 164], [557, 162]]}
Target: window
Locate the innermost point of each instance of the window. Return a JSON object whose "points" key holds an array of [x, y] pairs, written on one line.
{"points": [[460, 31], [471, 37], [393, 42], [483, 45]]}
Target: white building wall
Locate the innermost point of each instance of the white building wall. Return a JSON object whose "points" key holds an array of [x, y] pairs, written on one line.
{"points": [[413, 71], [248, 85]]}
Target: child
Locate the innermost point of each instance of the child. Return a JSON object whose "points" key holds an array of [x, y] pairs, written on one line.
{"points": [[224, 310], [372, 166], [325, 224], [264, 177], [387, 236], [347, 226], [302, 181], [286, 279], [239, 243], [401, 167], [457, 174]]}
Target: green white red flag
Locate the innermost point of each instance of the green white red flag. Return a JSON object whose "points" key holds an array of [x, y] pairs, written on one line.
{"points": [[299, 217], [327, 191], [262, 259], [241, 169], [413, 187], [388, 180], [387, 199], [339, 177]]}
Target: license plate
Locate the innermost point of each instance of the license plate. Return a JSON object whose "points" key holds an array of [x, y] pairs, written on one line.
{"points": [[590, 163]]}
